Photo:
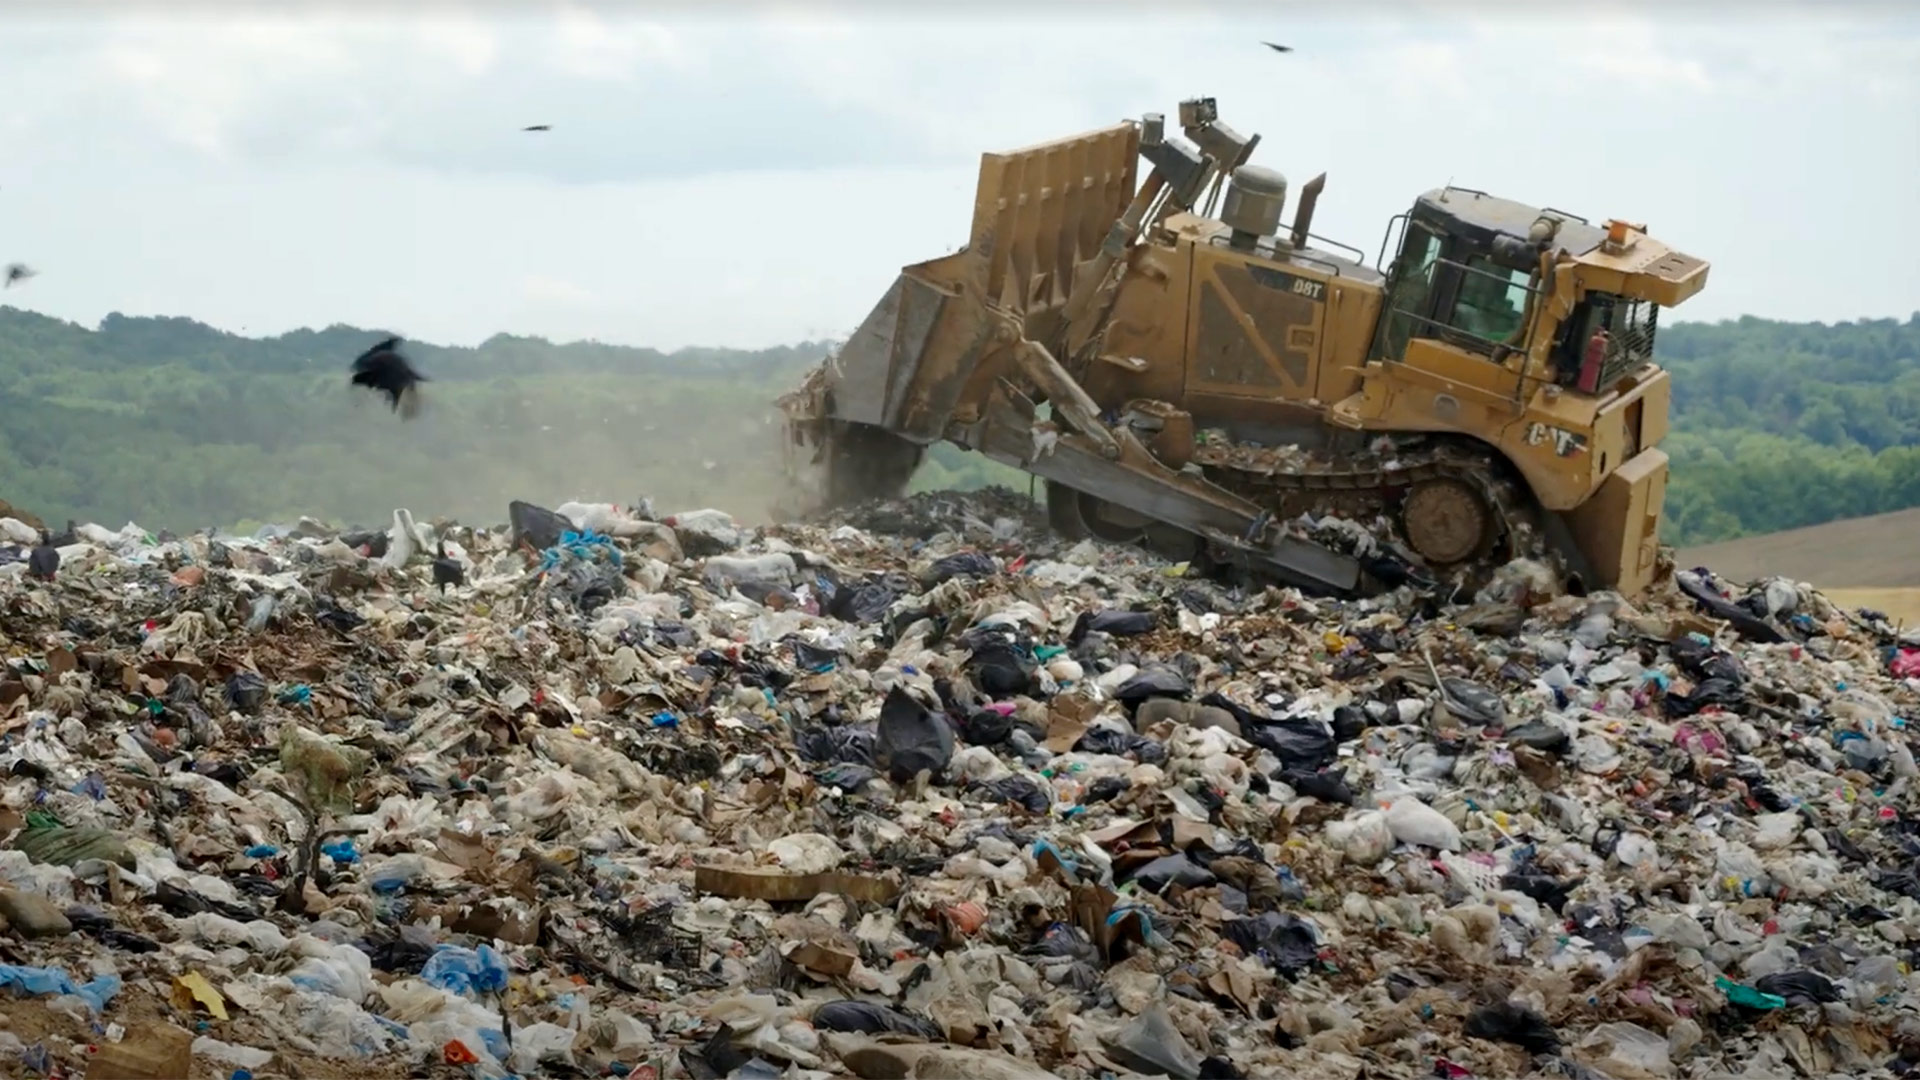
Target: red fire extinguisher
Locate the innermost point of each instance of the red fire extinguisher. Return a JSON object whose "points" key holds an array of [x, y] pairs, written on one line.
{"points": [[1590, 363]]}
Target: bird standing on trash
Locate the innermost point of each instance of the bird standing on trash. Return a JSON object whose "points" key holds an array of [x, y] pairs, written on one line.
{"points": [[382, 368], [446, 571], [17, 273], [44, 561]]}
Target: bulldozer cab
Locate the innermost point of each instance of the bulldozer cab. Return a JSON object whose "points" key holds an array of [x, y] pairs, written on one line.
{"points": [[1478, 273]]}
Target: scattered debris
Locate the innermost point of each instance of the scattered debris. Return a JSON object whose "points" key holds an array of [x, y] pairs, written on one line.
{"points": [[920, 790]]}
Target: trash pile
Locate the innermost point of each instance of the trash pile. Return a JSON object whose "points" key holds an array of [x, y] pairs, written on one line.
{"points": [[924, 792]]}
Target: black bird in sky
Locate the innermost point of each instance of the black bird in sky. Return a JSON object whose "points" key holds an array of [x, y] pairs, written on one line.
{"points": [[382, 368], [538, 127], [1277, 48], [17, 273], [44, 561], [446, 571]]}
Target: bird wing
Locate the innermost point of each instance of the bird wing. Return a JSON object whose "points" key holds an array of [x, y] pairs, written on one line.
{"points": [[387, 346], [1277, 48]]}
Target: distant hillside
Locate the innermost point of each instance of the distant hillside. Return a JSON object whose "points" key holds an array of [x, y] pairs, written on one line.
{"points": [[1875, 552], [174, 424]]}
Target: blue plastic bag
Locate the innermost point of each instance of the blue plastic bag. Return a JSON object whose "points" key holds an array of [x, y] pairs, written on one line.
{"points": [[39, 980], [466, 971]]}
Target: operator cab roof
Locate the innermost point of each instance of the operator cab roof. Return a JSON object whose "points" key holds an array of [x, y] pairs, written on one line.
{"points": [[1478, 216]]}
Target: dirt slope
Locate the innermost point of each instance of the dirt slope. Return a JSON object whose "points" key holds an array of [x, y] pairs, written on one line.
{"points": [[1878, 552]]}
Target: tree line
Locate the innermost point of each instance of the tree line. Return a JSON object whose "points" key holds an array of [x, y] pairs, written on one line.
{"points": [[174, 424]]}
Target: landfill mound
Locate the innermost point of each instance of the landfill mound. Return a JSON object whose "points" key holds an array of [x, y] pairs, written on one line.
{"points": [[922, 791]]}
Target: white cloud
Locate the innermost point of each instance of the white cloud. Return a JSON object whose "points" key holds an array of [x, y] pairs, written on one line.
{"points": [[753, 178]]}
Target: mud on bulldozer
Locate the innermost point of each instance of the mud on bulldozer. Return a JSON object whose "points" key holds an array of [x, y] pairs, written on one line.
{"points": [[1224, 388]]}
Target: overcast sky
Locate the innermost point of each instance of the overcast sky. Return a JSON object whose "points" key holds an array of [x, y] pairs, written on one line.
{"points": [[760, 178]]}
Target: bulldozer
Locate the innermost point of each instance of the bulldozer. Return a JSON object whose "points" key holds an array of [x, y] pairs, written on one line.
{"points": [[1186, 372]]}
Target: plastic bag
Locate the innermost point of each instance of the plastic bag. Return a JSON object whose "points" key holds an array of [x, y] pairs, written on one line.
{"points": [[42, 980], [1509, 1023], [871, 1019], [1414, 822], [1288, 943], [911, 737], [538, 1043], [959, 564], [1117, 623], [535, 525], [466, 971]]}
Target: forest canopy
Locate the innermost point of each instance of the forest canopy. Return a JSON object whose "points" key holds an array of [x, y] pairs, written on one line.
{"points": [[174, 424]]}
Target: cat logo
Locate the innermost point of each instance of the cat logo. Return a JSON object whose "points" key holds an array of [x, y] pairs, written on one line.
{"points": [[1565, 443]]}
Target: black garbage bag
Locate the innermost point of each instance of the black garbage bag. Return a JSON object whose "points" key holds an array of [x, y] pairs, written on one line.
{"points": [[812, 657], [375, 542], [862, 603], [1300, 744], [676, 634], [1115, 622], [1722, 692], [1541, 736], [912, 737], [959, 564], [1017, 789], [1509, 1023], [535, 525], [1219, 1068], [1749, 627], [1529, 880], [1168, 870], [846, 776], [1799, 987], [1471, 702], [869, 1019], [1001, 668], [1106, 789], [987, 727], [246, 692], [1102, 739], [1329, 786], [1152, 682], [1701, 661], [1349, 723], [846, 744], [1287, 942]]}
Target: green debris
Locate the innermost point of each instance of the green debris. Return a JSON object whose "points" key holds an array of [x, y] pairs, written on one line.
{"points": [[327, 767], [1748, 996], [65, 845]]}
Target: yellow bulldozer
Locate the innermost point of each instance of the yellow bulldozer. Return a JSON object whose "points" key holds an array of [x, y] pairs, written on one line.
{"points": [[1221, 387]]}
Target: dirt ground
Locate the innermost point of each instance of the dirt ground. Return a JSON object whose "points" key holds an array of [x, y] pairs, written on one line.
{"points": [[32, 1022], [1859, 553]]}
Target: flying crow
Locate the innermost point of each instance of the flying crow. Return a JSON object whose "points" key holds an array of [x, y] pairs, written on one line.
{"points": [[447, 571], [382, 368], [1277, 48], [538, 127], [17, 273], [44, 561]]}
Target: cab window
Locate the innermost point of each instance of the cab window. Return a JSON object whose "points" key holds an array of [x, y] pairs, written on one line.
{"points": [[1410, 290], [1492, 304]]}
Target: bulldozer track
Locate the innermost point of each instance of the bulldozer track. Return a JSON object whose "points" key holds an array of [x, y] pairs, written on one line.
{"points": [[1292, 482]]}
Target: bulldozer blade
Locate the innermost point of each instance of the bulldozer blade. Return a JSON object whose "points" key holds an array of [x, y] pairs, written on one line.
{"points": [[1135, 479]]}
